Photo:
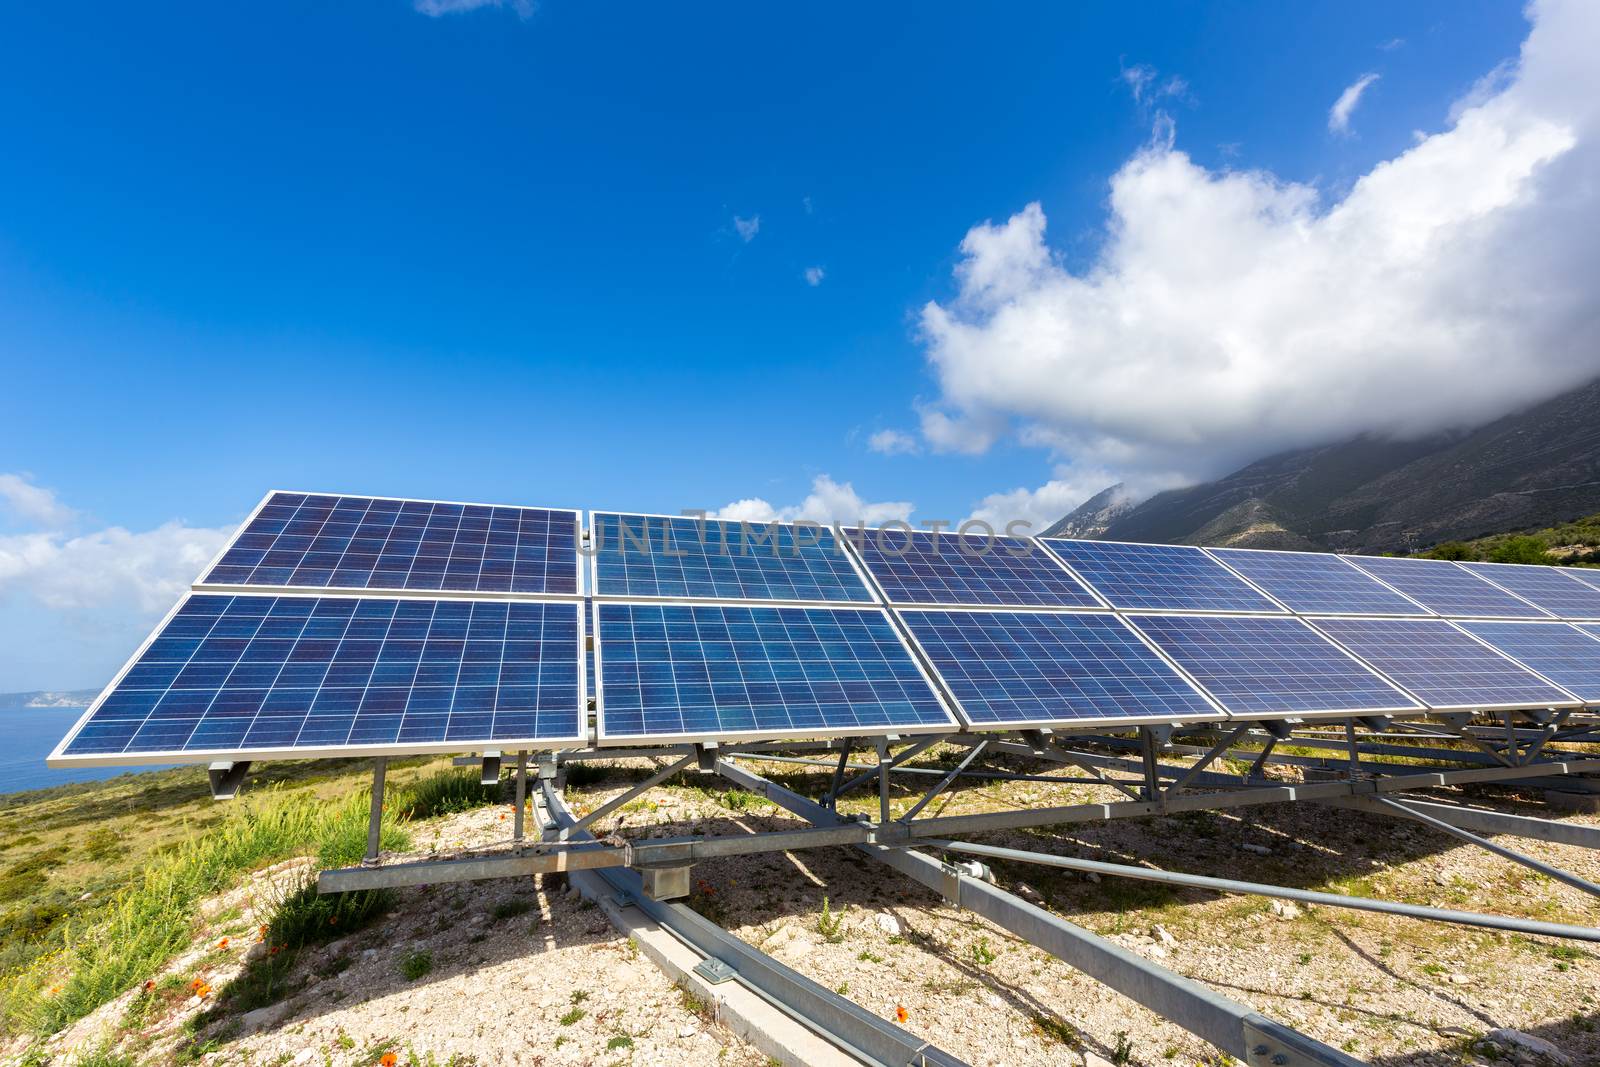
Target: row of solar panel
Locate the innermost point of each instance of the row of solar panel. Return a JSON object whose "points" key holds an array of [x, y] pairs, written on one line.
{"points": [[248, 676], [301, 541]]}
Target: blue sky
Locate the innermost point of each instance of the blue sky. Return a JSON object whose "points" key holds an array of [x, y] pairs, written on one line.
{"points": [[588, 254]]}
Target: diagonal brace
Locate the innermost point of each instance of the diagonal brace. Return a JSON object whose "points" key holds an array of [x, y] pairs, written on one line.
{"points": [[944, 783], [616, 802]]}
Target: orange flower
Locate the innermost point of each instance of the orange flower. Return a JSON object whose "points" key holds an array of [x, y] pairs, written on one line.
{"points": [[150, 983], [203, 992], [900, 1013], [388, 1059], [54, 990], [502, 816], [223, 943], [196, 984], [333, 920]]}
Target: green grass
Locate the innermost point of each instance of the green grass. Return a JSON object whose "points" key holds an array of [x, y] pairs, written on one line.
{"points": [[108, 949], [416, 964], [446, 793]]}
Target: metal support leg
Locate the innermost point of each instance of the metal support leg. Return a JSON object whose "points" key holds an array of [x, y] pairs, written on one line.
{"points": [[831, 800], [616, 802], [1152, 767], [522, 797], [884, 765], [1499, 850], [1256, 768], [1354, 748], [380, 767]]}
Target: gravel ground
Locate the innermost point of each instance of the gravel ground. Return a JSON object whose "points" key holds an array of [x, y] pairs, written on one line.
{"points": [[524, 972]]}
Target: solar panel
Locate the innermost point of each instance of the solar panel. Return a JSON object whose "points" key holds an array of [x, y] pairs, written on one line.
{"points": [[1173, 577], [701, 671], [1260, 665], [1442, 666], [1036, 668], [922, 567], [711, 559], [1552, 588], [296, 540], [1446, 589], [257, 676], [1564, 654], [1316, 582]]}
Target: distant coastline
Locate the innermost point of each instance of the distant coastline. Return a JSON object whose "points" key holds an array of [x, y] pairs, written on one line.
{"points": [[48, 698]]}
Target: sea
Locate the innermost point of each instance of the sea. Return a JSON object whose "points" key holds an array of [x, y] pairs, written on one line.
{"points": [[27, 736]]}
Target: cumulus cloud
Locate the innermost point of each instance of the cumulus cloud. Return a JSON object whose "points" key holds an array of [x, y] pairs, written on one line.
{"points": [[438, 8], [33, 504], [1232, 313], [828, 502], [814, 276], [85, 598], [747, 228], [107, 570], [1339, 114], [893, 443]]}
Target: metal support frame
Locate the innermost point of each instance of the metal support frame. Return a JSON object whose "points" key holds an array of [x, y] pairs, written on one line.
{"points": [[1304, 896], [616, 802], [1231, 1026], [853, 1028], [943, 783], [1499, 850], [522, 798], [226, 778]]}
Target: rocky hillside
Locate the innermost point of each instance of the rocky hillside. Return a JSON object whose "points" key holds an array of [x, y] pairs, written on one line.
{"points": [[1536, 468]]}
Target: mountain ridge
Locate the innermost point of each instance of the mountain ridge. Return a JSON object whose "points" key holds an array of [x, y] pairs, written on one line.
{"points": [[1536, 467]]}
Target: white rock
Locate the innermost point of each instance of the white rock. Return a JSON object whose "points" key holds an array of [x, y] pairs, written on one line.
{"points": [[1285, 909], [1028, 893], [688, 1030], [1163, 935], [1537, 1047], [1460, 979], [887, 923], [263, 1018], [305, 1055]]}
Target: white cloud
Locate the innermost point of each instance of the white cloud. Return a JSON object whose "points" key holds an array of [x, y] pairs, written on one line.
{"points": [[747, 228], [1232, 313], [438, 8], [814, 276], [33, 504], [829, 502], [107, 570], [893, 443], [1147, 86], [1339, 114]]}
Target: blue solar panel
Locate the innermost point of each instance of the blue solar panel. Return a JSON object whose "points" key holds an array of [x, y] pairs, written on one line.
{"points": [[1564, 654], [711, 559], [1256, 665], [1021, 668], [264, 675], [695, 671], [1552, 588], [1440, 665], [1172, 577], [1316, 582], [352, 542], [921, 567], [1444, 588]]}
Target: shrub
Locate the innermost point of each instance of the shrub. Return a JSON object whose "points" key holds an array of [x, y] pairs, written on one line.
{"points": [[1451, 550], [1522, 549]]}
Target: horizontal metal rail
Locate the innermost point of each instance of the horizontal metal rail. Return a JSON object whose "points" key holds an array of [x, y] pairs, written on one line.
{"points": [[1304, 896]]}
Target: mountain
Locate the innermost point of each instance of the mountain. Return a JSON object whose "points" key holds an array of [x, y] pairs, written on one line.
{"points": [[1091, 518], [76, 698], [1538, 467]]}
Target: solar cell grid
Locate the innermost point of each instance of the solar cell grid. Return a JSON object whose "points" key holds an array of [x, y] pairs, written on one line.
{"points": [[1316, 582], [241, 674], [1260, 665], [1564, 654], [1167, 577], [1038, 668], [1552, 588], [1445, 588], [368, 543], [1442, 666], [922, 567], [671, 671], [710, 559]]}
